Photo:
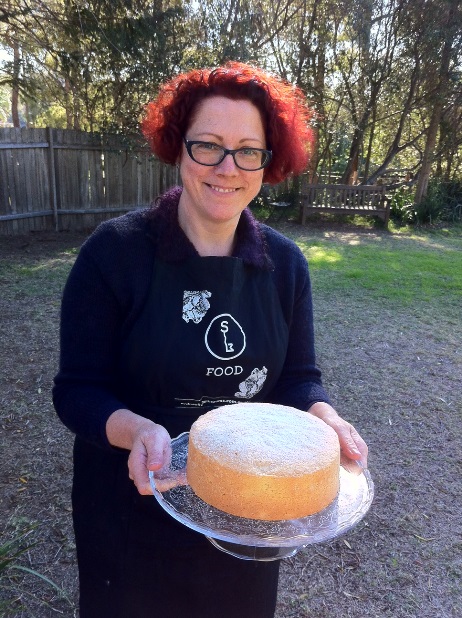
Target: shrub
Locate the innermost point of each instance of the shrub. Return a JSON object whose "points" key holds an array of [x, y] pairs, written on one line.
{"points": [[402, 206], [443, 202]]}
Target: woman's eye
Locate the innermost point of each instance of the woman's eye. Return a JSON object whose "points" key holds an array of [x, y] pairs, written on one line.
{"points": [[249, 152], [208, 146]]}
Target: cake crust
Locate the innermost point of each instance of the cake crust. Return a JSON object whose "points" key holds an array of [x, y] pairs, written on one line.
{"points": [[263, 461]]}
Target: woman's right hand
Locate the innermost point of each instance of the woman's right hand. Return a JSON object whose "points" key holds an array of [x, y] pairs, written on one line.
{"points": [[149, 445], [151, 451]]}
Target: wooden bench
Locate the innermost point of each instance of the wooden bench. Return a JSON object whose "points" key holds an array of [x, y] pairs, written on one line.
{"points": [[345, 200]]}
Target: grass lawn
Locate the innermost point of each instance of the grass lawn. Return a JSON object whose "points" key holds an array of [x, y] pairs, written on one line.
{"points": [[405, 275], [404, 268]]}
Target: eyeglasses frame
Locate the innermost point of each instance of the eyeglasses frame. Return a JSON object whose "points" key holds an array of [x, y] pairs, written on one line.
{"points": [[226, 151]]}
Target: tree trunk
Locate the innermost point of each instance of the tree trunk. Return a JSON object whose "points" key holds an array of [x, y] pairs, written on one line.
{"points": [[15, 88], [351, 171], [435, 119], [367, 163], [395, 146], [68, 103], [427, 159]]}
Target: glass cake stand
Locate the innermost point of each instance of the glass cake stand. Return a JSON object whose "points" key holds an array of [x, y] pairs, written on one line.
{"points": [[252, 539]]}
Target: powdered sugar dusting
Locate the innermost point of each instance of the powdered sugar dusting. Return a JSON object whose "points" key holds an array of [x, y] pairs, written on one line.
{"points": [[265, 439]]}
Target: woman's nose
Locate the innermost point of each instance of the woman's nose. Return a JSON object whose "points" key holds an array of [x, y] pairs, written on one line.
{"points": [[227, 166]]}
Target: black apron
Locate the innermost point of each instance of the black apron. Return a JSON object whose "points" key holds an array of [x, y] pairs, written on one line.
{"points": [[211, 333]]}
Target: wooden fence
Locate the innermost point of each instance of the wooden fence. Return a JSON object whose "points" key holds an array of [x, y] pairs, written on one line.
{"points": [[54, 179]]}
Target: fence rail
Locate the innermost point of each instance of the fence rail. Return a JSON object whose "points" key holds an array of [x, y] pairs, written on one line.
{"points": [[71, 180], [56, 179]]}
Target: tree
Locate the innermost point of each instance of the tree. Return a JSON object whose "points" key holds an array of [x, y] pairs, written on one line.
{"points": [[15, 74], [384, 83], [450, 20], [100, 58]]}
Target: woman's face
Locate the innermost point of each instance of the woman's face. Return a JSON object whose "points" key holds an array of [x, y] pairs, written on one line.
{"points": [[219, 194]]}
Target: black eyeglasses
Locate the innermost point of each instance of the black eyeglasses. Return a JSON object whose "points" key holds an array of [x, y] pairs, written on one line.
{"points": [[208, 153]]}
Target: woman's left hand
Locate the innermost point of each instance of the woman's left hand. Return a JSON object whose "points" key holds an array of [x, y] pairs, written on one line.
{"points": [[353, 449]]}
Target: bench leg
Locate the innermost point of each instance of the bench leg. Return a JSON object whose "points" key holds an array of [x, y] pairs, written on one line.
{"points": [[387, 216]]}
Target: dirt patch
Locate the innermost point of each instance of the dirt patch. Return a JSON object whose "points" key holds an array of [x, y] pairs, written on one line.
{"points": [[396, 373]]}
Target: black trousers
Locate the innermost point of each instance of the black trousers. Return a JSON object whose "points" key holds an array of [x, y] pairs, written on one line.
{"points": [[136, 561]]}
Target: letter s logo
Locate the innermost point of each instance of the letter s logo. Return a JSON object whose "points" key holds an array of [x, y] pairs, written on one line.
{"points": [[224, 338]]}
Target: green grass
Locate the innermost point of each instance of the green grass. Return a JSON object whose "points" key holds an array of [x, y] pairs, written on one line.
{"points": [[414, 271], [43, 277], [405, 266]]}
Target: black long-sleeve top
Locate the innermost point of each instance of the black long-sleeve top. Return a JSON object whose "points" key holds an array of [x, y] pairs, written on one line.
{"points": [[107, 288]]}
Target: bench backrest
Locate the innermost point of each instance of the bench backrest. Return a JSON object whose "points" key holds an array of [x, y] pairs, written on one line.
{"points": [[353, 196]]}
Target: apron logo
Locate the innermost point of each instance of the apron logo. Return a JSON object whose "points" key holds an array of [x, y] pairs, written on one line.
{"points": [[195, 305], [225, 338], [230, 370], [253, 384]]}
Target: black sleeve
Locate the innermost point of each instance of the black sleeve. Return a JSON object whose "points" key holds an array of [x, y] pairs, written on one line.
{"points": [[101, 298], [300, 383]]}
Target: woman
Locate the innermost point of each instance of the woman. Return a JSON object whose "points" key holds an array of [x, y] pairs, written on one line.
{"points": [[170, 312]]}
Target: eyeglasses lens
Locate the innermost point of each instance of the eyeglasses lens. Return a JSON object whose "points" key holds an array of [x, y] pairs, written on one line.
{"points": [[246, 158]]}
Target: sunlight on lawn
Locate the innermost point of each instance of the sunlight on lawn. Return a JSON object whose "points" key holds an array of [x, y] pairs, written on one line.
{"points": [[50, 264], [404, 274], [43, 277], [322, 255]]}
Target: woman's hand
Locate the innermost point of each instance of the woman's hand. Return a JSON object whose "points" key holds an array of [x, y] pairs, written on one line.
{"points": [[352, 446], [151, 451], [149, 445]]}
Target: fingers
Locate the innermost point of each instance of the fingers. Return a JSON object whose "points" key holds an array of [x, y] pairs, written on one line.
{"points": [[170, 480], [138, 471], [352, 445], [159, 450], [351, 465], [151, 450]]}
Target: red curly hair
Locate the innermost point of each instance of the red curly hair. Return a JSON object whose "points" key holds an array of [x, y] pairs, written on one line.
{"points": [[283, 108]]}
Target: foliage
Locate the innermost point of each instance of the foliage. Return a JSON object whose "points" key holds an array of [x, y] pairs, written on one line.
{"points": [[402, 206], [53, 116], [443, 202], [4, 104], [384, 84]]}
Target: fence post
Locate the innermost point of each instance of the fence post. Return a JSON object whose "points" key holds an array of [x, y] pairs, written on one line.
{"points": [[52, 177]]}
